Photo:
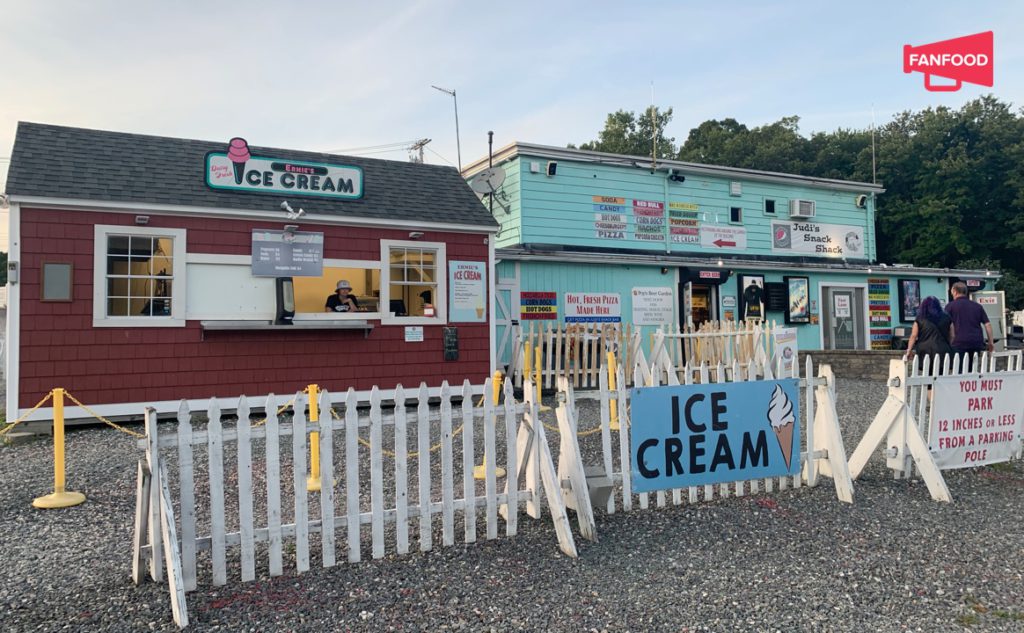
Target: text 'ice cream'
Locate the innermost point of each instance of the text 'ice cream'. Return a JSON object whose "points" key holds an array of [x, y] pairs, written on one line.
{"points": [[780, 416]]}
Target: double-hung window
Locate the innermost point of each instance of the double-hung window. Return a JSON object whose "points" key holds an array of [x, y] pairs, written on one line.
{"points": [[413, 282], [138, 277]]}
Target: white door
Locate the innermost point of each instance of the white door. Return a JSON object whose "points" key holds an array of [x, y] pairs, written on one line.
{"points": [[506, 318]]}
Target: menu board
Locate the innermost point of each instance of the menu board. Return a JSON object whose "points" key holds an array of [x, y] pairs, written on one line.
{"points": [[683, 223], [880, 310], [287, 253], [649, 221], [610, 219]]}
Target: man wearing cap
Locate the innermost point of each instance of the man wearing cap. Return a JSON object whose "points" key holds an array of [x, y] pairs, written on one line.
{"points": [[341, 300]]}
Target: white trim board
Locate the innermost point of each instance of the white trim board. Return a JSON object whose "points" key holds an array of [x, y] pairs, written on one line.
{"points": [[13, 334], [136, 208]]}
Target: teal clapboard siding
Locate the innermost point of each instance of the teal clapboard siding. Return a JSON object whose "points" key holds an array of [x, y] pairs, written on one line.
{"points": [[563, 277], [561, 209], [508, 207]]}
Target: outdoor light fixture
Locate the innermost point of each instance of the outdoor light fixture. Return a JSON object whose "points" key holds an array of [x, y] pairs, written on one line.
{"points": [[142, 220], [719, 262], [415, 235], [291, 228], [664, 270]]}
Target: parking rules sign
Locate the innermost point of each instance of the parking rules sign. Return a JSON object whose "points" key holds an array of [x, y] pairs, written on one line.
{"points": [[976, 419]]}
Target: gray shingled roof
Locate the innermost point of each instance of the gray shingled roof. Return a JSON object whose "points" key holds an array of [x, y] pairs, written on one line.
{"points": [[64, 162]]}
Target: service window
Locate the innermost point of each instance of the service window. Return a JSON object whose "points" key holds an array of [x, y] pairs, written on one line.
{"points": [[57, 278], [414, 286], [138, 277], [360, 279]]}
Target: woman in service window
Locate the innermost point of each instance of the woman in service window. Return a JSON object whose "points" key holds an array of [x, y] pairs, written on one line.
{"points": [[341, 300]]}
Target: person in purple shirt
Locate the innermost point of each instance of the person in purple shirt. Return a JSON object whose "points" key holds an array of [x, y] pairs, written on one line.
{"points": [[968, 320]]}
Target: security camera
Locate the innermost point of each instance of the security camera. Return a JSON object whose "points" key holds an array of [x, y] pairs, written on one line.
{"points": [[415, 235], [861, 201], [292, 213], [675, 176], [286, 207]]}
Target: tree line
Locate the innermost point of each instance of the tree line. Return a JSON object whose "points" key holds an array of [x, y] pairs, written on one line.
{"points": [[954, 178]]}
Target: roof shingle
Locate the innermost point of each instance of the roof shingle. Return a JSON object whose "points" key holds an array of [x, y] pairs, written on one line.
{"points": [[74, 163]]}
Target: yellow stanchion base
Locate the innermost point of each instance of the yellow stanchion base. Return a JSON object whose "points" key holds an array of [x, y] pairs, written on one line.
{"points": [[480, 472], [59, 500], [313, 485], [544, 407], [614, 426]]}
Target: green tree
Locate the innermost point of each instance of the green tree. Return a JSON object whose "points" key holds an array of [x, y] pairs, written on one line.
{"points": [[631, 134]]}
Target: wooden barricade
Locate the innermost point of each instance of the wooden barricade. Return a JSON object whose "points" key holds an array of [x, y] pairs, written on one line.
{"points": [[904, 426], [577, 350], [574, 350], [411, 491]]}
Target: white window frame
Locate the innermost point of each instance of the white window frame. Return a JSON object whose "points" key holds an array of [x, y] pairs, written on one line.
{"points": [[99, 278], [366, 264], [440, 297]]}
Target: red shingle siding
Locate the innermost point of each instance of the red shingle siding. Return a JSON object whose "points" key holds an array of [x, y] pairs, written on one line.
{"points": [[60, 347]]}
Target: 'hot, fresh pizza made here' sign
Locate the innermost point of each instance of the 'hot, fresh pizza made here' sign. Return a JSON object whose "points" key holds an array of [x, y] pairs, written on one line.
{"points": [[693, 435]]}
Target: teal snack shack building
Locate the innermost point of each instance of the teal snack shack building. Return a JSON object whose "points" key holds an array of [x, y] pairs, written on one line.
{"points": [[604, 237]]}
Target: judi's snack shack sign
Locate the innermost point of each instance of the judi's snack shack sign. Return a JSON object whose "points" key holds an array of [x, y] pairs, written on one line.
{"points": [[238, 170], [693, 435]]}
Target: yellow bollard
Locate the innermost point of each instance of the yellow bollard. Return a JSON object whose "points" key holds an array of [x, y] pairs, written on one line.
{"points": [[313, 482], [60, 498], [480, 472], [613, 404]]}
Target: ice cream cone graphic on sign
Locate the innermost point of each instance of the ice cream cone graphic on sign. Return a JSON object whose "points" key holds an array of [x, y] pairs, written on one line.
{"points": [[238, 154], [780, 415]]}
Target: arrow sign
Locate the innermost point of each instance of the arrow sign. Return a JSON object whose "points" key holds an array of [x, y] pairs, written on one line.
{"points": [[723, 243]]}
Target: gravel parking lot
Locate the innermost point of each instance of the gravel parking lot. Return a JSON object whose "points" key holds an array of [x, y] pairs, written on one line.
{"points": [[790, 561]]}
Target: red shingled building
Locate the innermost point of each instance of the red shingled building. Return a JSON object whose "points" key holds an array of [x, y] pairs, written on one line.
{"points": [[133, 279]]}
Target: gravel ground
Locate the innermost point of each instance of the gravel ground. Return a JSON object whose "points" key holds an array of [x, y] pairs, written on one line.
{"points": [[789, 561]]}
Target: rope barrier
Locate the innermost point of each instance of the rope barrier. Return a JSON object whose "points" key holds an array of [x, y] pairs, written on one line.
{"points": [[7, 429], [102, 419]]}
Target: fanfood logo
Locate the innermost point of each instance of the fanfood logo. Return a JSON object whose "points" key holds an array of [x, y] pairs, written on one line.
{"points": [[961, 59]]}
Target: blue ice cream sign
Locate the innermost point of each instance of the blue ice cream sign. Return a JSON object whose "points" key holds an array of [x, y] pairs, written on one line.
{"points": [[692, 435]]}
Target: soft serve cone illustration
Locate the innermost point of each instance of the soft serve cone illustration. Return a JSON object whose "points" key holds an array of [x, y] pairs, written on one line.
{"points": [[238, 154], [780, 415]]}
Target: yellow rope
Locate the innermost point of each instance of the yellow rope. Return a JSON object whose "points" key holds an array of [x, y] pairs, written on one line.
{"points": [[281, 410], [103, 419], [7, 429], [391, 454]]}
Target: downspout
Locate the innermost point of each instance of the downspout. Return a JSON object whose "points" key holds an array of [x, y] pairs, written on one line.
{"points": [[668, 231]]}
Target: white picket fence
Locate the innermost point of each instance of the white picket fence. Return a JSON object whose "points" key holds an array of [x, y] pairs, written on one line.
{"points": [[903, 420], [416, 496]]}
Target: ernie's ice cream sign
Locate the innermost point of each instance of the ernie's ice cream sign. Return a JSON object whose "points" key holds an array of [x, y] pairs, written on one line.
{"points": [[238, 170], [692, 435]]}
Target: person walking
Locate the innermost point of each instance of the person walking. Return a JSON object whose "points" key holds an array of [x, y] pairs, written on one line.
{"points": [[972, 331], [931, 335]]}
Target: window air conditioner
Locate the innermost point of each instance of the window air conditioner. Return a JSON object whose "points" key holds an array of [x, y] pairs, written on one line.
{"points": [[801, 208]]}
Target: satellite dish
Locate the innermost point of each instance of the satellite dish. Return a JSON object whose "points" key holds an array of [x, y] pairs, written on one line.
{"points": [[488, 180]]}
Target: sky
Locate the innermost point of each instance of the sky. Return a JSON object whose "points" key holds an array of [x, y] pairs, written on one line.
{"points": [[338, 76]]}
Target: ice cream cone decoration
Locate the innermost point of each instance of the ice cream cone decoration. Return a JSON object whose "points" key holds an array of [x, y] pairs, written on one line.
{"points": [[238, 154], [780, 415]]}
